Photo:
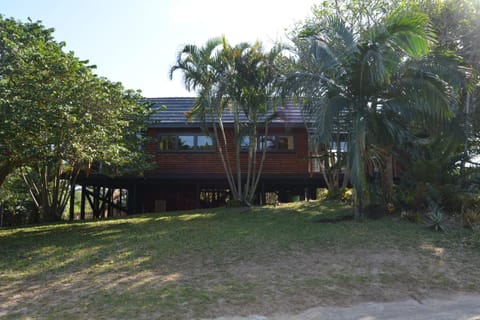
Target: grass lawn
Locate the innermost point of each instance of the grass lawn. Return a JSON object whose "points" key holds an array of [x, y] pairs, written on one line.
{"points": [[219, 262]]}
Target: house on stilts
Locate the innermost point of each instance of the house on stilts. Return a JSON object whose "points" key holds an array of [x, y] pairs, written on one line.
{"points": [[188, 173]]}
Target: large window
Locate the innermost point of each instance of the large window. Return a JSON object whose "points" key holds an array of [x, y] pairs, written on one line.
{"points": [[276, 143], [272, 143], [185, 142]]}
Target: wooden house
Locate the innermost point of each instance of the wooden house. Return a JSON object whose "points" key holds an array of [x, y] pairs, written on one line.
{"points": [[188, 173]]}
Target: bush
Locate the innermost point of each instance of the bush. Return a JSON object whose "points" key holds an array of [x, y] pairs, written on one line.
{"points": [[271, 198], [411, 216], [347, 196], [16, 205], [436, 219], [471, 218]]}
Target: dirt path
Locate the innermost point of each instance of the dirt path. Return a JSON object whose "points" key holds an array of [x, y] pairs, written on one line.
{"points": [[457, 307]]}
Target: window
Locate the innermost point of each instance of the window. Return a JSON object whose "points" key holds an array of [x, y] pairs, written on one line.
{"points": [[276, 143], [184, 142], [204, 143], [285, 143], [244, 143], [343, 147], [269, 143], [166, 143]]}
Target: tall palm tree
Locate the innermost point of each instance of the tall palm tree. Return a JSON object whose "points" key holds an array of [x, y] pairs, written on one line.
{"points": [[379, 83], [240, 80], [205, 70]]}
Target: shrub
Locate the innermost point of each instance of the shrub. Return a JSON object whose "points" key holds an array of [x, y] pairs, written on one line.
{"points": [[471, 218], [436, 219], [347, 196], [411, 216]]}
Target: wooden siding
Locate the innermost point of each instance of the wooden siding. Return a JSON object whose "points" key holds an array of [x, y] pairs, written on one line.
{"points": [[208, 162]]}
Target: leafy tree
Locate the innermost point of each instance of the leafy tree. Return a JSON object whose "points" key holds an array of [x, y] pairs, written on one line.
{"points": [[22, 46], [457, 24], [380, 80], [358, 15], [110, 121], [16, 206], [240, 81], [58, 117]]}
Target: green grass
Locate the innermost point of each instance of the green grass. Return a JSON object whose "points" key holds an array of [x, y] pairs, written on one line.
{"points": [[223, 261]]}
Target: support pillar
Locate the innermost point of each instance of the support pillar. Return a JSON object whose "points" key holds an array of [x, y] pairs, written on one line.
{"points": [[96, 202], [120, 198], [197, 196], [110, 202], [72, 201], [132, 199], [82, 203]]}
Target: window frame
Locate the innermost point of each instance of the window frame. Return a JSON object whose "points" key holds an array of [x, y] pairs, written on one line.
{"points": [[276, 149], [177, 149]]}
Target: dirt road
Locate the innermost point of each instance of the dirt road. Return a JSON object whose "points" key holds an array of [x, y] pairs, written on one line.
{"points": [[457, 307]]}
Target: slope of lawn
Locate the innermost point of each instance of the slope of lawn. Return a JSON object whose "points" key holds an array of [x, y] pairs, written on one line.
{"points": [[211, 263]]}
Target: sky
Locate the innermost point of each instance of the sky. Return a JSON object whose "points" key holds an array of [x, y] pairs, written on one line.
{"points": [[136, 42]]}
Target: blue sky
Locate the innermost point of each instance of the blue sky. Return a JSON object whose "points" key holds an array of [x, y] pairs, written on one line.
{"points": [[136, 41]]}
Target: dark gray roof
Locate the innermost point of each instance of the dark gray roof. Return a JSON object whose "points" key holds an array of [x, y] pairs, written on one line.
{"points": [[173, 114]]}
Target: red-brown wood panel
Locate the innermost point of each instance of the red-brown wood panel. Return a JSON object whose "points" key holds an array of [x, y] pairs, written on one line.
{"points": [[185, 162]]}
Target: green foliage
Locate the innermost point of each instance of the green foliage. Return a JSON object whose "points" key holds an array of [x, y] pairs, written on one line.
{"points": [[152, 266], [431, 170], [58, 117], [242, 81], [411, 216], [375, 80], [471, 217], [436, 218], [359, 14], [15, 203], [344, 195]]}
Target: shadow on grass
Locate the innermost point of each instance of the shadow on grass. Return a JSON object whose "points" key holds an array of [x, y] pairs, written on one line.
{"points": [[153, 261]]}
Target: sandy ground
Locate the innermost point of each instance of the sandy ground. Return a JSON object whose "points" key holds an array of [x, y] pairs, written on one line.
{"points": [[457, 307]]}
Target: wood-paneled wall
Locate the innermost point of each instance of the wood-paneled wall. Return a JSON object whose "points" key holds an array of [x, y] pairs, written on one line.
{"points": [[201, 162]]}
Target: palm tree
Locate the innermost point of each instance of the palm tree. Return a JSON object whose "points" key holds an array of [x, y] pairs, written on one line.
{"points": [[205, 70], [379, 83], [241, 81]]}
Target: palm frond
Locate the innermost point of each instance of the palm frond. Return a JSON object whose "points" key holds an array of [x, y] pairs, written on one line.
{"points": [[430, 96], [409, 32]]}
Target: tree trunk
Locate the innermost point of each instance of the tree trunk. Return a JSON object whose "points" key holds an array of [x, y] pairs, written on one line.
{"points": [[5, 169], [258, 171], [357, 205], [388, 178]]}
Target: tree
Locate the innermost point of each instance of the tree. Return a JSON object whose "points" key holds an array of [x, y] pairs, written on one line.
{"points": [[358, 15], [239, 81], [21, 49], [457, 24], [380, 79], [109, 120], [58, 117]]}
